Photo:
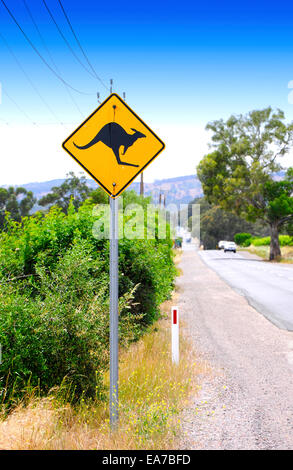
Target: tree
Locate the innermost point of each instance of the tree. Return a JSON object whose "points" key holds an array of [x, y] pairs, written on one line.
{"points": [[217, 224], [17, 201], [74, 187], [288, 228], [238, 174], [98, 196], [279, 201]]}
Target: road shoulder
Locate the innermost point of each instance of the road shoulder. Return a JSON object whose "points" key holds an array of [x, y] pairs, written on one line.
{"points": [[245, 400], [248, 255]]}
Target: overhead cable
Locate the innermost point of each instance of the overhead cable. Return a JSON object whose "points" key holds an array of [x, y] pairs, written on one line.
{"points": [[80, 46], [65, 40], [19, 107], [39, 54], [29, 79], [50, 55]]}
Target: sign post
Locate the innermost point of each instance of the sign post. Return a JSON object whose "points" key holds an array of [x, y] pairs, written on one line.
{"points": [[113, 145], [114, 313]]}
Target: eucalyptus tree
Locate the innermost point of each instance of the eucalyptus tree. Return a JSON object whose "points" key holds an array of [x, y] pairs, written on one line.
{"points": [[17, 201], [240, 173], [73, 188]]}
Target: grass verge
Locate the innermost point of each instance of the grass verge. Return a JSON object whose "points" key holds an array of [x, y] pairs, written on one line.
{"points": [[264, 252], [152, 393]]}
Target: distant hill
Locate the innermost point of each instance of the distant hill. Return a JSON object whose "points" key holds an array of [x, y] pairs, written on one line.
{"points": [[179, 190]]}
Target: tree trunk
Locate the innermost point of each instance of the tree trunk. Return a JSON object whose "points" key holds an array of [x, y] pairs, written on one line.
{"points": [[275, 250]]}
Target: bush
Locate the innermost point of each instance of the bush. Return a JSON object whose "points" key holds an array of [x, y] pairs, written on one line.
{"points": [[54, 299], [265, 241], [285, 240], [243, 239], [63, 331]]}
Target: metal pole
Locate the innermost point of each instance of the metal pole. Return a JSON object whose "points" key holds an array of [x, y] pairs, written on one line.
{"points": [[141, 184], [114, 313]]}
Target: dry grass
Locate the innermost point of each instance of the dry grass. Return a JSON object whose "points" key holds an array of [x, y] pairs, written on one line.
{"points": [[287, 254], [264, 252], [177, 259], [177, 255], [152, 394]]}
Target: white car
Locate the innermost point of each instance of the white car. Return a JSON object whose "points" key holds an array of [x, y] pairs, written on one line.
{"points": [[230, 246], [221, 244]]}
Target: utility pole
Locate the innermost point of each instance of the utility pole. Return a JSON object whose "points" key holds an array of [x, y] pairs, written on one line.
{"points": [[141, 185], [111, 85]]}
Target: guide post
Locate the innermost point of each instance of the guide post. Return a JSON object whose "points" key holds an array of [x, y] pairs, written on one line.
{"points": [[175, 335]]}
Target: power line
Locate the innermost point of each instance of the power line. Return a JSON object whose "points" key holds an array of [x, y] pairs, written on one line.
{"points": [[19, 108], [40, 55], [29, 79], [80, 46], [65, 40], [50, 55]]}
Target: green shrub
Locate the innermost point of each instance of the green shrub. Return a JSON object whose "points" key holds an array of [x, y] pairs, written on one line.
{"points": [[285, 240], [54, 299], [63, 331], [265, 241], [243, 239], [148, 263]]}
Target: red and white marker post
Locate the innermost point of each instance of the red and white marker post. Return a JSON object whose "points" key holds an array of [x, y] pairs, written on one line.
{"points": [[175, 335]]}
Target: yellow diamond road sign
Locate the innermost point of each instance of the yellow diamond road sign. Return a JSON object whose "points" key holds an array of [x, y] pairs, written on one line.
{"points": [[113, 145]]}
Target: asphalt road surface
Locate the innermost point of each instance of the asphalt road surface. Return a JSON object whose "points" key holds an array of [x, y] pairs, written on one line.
{"points": [[244, 396], [268, 287]]}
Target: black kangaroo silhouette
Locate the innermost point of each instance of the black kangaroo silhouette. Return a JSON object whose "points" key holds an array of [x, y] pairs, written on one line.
{"points": [[113, 135]]}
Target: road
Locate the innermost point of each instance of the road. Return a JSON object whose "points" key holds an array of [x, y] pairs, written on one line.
{"points": [[244, 398], [268, 287]]}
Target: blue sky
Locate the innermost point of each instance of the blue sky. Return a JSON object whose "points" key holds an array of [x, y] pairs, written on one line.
{"points": [[181, 65]]}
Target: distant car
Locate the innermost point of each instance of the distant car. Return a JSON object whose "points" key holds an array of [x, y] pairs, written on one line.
{"points": [[230, 246], [221, 244]]}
